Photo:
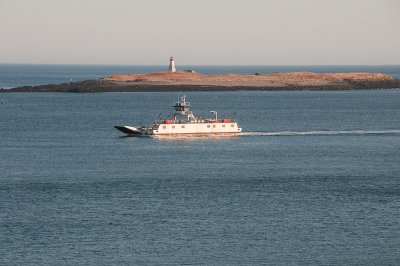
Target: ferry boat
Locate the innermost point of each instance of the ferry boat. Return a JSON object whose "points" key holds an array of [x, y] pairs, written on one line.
{"points": [[183, 122]]}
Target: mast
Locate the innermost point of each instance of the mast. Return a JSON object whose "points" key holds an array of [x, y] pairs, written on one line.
{"points": [[182, 107]]}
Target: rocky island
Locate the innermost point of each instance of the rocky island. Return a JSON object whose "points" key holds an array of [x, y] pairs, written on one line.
{"points": [[191, 81]]}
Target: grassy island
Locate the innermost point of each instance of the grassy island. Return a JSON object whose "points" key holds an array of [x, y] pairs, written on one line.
{"points": [[191, 81]]}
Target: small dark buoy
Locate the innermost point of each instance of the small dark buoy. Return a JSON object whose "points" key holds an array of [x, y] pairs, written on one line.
{"points": [[257, 73]]}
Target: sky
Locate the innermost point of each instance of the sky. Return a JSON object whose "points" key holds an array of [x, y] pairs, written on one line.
{"points": [[200, 32]]}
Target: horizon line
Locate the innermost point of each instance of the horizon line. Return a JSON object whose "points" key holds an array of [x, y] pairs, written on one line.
{"points": [[272, 65]]}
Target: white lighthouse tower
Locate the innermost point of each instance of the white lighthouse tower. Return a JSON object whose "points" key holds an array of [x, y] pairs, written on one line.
{"points": [[172, 67]]}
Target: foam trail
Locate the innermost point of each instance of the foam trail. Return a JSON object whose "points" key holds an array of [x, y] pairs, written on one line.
{"points": [[323, 133]]}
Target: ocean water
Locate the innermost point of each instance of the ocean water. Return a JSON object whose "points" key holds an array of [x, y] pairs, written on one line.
{"points": [[15, 75], [313, 180]]}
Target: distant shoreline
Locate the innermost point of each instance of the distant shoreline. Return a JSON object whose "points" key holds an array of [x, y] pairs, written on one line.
{"points": [[191, 81]]}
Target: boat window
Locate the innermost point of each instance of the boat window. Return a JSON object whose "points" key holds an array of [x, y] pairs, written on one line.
{"points": [[183, 126], [173, 127], [214, 125], [164, 127], [208, 126], [232, 125], [223, 125]]}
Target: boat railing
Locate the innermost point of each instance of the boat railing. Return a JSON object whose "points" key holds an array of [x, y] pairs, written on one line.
{"points": [[197, 121], [182, 104]]}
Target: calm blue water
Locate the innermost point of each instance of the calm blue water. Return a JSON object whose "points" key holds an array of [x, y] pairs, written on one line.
{"points": [[314, 180], [30, 75]]}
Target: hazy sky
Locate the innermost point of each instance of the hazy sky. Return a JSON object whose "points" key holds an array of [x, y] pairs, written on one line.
{"points": [[215, 32]]}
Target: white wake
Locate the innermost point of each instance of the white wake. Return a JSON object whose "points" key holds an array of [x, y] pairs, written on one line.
{"points": [[323, 133]]}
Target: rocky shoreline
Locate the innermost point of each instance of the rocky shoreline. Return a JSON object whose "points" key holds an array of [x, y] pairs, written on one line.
{"points": [[189, 81]]}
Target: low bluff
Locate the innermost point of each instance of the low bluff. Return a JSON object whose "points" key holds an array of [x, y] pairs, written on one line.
{"points": [[190, 81]]}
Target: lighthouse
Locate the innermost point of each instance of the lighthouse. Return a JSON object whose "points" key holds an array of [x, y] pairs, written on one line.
{"points": [[172, 67]]}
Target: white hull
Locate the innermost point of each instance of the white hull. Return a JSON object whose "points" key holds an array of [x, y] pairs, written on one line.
{"points": [[196, 128], [183, 129]]}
